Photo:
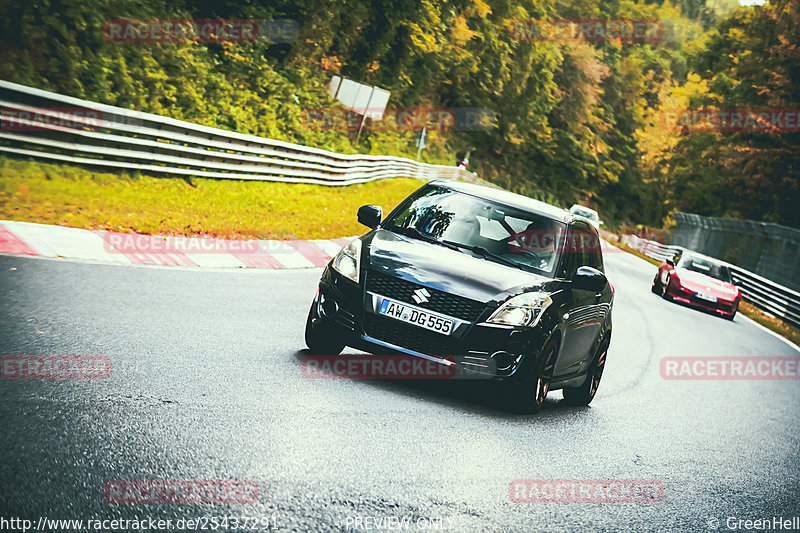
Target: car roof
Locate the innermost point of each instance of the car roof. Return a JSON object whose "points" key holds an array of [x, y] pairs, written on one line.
{"points": [[509, 198], [579, 206]]}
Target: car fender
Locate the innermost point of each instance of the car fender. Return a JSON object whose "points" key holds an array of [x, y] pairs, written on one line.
{"points": [[551, 330]]}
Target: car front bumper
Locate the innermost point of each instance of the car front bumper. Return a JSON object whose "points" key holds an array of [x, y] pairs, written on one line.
{"points": [[689, 297], [479, 350]]}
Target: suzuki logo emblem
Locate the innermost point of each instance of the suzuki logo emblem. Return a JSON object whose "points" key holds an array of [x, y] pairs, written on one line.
{"points": [[421, 296]]}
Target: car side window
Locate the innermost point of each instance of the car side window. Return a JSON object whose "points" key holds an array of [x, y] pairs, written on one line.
{"points": [[574, 253], [584, 249], [595, 251]]}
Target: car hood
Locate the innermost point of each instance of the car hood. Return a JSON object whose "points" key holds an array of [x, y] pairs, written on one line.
{"points": [[707, 284], [447, 270]]}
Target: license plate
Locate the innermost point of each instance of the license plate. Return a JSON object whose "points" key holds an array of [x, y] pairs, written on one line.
{"points": [[706, 297], [414, 315]]}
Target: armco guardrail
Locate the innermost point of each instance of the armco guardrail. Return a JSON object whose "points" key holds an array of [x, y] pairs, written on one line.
{"points": [[108, 136], [770, 250], [773, 299]]}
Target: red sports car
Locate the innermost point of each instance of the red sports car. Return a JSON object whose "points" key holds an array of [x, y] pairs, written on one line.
{"points": [[698, 281]]}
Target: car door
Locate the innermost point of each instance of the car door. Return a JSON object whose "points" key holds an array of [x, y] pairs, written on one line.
{"points": [[583, 311], [602, 299]]}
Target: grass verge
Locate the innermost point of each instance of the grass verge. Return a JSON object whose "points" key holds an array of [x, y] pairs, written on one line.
{"points": [[777, 325], [67, 195]]}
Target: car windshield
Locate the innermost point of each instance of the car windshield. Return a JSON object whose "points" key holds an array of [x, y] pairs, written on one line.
{"points": [[502, 233], [585, 213], [704, 266]]}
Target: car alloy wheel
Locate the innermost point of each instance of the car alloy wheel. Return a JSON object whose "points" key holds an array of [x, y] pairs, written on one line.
{"points": [[528, 396], [584, 394], [597, 371], [545, 375]]}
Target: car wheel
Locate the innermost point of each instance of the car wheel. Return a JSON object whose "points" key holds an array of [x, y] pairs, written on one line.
{"points": [[529, 396], [732, 315], [656, 287], [320, 340], [665, 289], [584, 394]]}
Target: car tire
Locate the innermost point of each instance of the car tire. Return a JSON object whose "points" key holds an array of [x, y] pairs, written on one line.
{"points": [[656, 287], [732, 315], [529, 396], [320, 340], [584, 394], [665, 289]]}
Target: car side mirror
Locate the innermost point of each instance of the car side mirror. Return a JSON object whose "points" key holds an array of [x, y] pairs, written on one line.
{"points": [[589, 279], [670, 262], [370, 215]]}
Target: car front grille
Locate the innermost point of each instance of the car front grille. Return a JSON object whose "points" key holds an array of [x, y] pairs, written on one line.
{"points": [[408, 336], [439, 301]]}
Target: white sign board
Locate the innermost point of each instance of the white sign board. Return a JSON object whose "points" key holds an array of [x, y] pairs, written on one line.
{"points": [[377, 103], [333, 86], [363, 99], [348, 91]]}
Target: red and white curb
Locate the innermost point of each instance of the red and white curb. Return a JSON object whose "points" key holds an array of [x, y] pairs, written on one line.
{"points": [[27, 238]]}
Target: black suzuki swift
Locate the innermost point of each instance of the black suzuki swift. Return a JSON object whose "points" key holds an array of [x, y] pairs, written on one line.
{"points": [[497, 284]]}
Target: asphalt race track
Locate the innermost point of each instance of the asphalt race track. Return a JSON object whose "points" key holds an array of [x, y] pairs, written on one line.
{"points": [[206, 385]]}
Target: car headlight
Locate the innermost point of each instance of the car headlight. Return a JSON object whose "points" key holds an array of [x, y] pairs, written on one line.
{"points": [[523, 310], [348, 261]]}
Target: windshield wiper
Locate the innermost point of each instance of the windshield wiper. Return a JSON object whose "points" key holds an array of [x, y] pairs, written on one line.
{"points": [[483, 252]]}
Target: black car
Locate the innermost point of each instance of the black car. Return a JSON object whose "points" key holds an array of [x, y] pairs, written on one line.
{"points": [[498, 284]]}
